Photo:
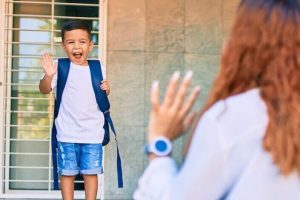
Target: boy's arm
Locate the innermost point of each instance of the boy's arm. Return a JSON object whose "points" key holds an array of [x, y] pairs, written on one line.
{"points": [[105, 86], [45, 84], [50, 70]]}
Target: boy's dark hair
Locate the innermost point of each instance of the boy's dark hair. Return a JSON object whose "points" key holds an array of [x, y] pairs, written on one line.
{"points": [[75, 24]]}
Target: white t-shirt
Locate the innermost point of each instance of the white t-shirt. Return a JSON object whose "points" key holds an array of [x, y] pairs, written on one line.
{"points": [[79, 119], [226, 159]]}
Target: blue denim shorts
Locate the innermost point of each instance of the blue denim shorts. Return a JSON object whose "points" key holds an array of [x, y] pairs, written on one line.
{"points": [[75, 158]]}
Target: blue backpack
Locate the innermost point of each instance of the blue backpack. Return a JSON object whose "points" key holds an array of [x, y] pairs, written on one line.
{"points": [[102, 101]]}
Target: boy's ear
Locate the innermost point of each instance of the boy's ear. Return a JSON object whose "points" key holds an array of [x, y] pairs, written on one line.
{"points": [[91, 46], [62, 45]]}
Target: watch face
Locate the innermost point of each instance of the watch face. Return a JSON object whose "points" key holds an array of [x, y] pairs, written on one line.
{"points": [[161, 146]]}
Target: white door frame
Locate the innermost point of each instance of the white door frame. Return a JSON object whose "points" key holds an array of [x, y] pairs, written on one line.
{"points": [[102, 56]]}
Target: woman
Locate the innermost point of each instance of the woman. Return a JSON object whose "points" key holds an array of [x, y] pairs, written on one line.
{"points": [[246, 144]]}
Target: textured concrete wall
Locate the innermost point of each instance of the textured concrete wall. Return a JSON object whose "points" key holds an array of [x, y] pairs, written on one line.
{"points": [[147, 40]]}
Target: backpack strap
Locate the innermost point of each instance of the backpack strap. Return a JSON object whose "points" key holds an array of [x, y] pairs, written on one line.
{"points": [[62, 75], [103, 103]]}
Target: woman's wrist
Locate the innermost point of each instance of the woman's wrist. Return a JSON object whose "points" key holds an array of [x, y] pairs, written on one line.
{"points": [[158, 147], [152, 156]]}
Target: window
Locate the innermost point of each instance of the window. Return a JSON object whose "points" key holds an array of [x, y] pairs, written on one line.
{"points": [[32, 27]]}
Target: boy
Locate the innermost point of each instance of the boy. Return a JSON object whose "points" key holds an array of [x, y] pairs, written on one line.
{"points": [[79, 123]]}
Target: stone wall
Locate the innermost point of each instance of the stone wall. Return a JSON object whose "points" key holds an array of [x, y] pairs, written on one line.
{"points": [[147, 40]]}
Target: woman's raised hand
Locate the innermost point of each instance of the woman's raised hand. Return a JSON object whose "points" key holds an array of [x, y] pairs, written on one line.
{"points": [[173, 116]]}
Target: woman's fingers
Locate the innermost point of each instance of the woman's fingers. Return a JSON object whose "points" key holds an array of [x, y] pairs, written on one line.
{"points": [[174, 98], [172, 116], [188, 121], [155, 95], [171, 89], [180, 96], [187, 105]]}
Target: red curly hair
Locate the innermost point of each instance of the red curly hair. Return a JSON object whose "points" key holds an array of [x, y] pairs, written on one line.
{"points": [[263, 51]]}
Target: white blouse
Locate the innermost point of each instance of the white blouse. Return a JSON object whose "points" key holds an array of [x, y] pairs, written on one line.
{"points": [[226, 159]]}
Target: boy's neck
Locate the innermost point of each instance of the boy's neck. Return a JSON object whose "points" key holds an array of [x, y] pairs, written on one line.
{"points": [[85, 64]]}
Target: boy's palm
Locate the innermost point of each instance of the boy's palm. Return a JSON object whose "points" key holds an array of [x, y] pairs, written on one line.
{"points": [[49, 67]]}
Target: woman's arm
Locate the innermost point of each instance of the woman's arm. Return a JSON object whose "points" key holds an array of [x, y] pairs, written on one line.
{"points": [[201, 176]]}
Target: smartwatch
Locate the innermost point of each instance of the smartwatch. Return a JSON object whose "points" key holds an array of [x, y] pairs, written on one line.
{"points": [[160, 146]]}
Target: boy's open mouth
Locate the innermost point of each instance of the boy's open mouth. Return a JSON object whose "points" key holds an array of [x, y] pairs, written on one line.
{"points": [[77, 55]]}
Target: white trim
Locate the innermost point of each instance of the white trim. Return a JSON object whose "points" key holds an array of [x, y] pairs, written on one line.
{"points": [[50, 121], [2, 50], [22, 194], [103, 56], [103, 32], [9, 23], [6, 30]]}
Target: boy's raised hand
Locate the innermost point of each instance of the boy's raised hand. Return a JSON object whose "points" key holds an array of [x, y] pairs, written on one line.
{"points": [[49, 67], [105, 86]]}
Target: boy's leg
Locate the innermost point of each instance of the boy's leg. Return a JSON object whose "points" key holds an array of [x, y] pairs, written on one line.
{"points": [[90, 186], [67, 187], [90, 166], [67, 168]]}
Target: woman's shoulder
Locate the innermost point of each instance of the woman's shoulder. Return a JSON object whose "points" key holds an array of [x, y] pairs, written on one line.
{"points": [[241, 104], [240, 115]]}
